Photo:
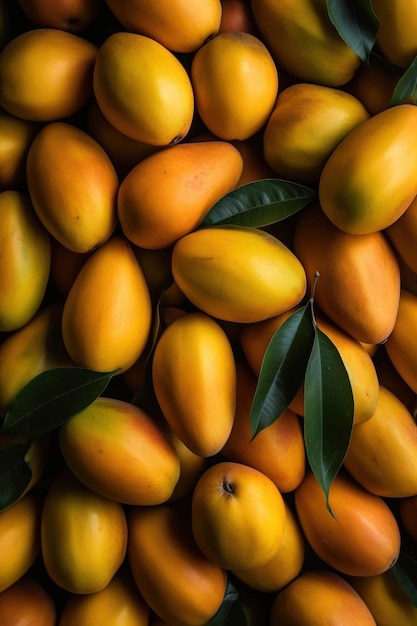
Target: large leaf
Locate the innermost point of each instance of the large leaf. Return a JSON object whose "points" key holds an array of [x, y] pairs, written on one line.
{"points": [[15, 473], [224, 614], [406, 87], [260, 203], [51, 398], [356, 23], [328, 411], [283, 368]]}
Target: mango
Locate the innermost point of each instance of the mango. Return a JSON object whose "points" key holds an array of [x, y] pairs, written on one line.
{"points": [[367, 183], [16, 135], [25, 260], [46, 74], [403, 236], [396, 32], [107, 313], [120, 452], [401, 344], [28, 602], [77, 203], [167, 194], [74, 16], [238, 273], [193, 357]]}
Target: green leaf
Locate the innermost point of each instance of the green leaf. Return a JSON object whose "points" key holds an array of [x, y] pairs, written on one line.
{"points": [[15, 473], [406, 86], [283, 368], [51, 398], [260, 203], [227, 608], [328, 411], [405, 569], [356, 23]]}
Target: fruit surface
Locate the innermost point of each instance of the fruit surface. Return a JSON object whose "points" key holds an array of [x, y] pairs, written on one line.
{"points": [[403, 235], [77, 205], [370, 158], [46, 74], [16, 135], [27, 603], [237, 16], [73, 16], [167, 194], [235, 82], [238, 516], [401, 344], [119, 452], [397, 24], [237, 273], [129, 65]]}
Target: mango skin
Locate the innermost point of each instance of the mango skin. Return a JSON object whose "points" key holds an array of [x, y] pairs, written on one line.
{"points": [[16, 135], [401, 344], [237, 274], [118, 451], [367, 183], [396, 34], [403, 236]]}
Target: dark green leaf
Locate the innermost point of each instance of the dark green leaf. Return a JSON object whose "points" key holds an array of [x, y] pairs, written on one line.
{"points": [[328, 411], [51, 398], [406, 86], [260, 203], [15, 473], [405, 569], [356, 23], [283, 368], [227, 608]]}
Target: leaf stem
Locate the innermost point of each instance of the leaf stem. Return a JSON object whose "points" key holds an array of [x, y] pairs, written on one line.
{"points": [[313, 291]]}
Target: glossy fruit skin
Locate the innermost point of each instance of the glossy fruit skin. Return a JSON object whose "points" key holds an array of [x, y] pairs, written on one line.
{"points": [[363, 266], [371, 157], [160, 545], [403, 235], [165, 115], [192, 358], [184, 181], [401, 344], [235, 82], [19, 538], [363, 539], [46, 74], [24, 262], [73, 16], [237, 516], [397, 26], [77, 205], [27, 603], [237, 274], [120, 452], [318, 598], [181, 27], [321, 55], [83, 536], [107, 313], [16, 135]]}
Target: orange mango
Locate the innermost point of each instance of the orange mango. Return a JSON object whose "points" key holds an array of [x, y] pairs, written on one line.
{"points": [[27, 602], [401, 345]]}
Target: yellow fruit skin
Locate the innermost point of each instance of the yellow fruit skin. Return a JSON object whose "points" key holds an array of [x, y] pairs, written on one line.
{"points": [[182, 26], [403, 236], [83, 536], [376, 447], [167, 194], [401, 345], [46, 74], [27, 603], [19, 538], [143, 89], [359, 283], [367, 182], [16, 135], [77, 202], [107, 314], [235, 82], [25, 260], [120, 452], [160, 545], [304, 42], [363, 539], [396, 33], [306, 125], [238, 274], [193, 357]]}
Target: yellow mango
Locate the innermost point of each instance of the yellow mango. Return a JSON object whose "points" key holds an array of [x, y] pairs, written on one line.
{"points": [[118, 451], [143, 89], [235, 82], [83, 536], [180, 584], [403, 235], [359, 283], [46, 74], [237, 273], [367, 183], [16, 135], [25, 260], [180, 27], [396, 33], [192, 358], [107, 313], [401, 345], [304, 41], [76, 202], [167, 194]]}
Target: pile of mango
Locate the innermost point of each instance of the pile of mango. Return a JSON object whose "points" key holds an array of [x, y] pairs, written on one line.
{"points": [[199, 201]]}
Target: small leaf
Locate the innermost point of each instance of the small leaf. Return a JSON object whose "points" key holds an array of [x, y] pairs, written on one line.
{"points": [[406, 86], [405, 569], [51, 398], [328, 411], [223, 615], [356, 23], [15, 473], [260, 203], [283, 368]]}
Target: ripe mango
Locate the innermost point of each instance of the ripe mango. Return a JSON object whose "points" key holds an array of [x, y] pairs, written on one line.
{"points": [[403, 236], [396, 33], [401, 345], [16, 135]]}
